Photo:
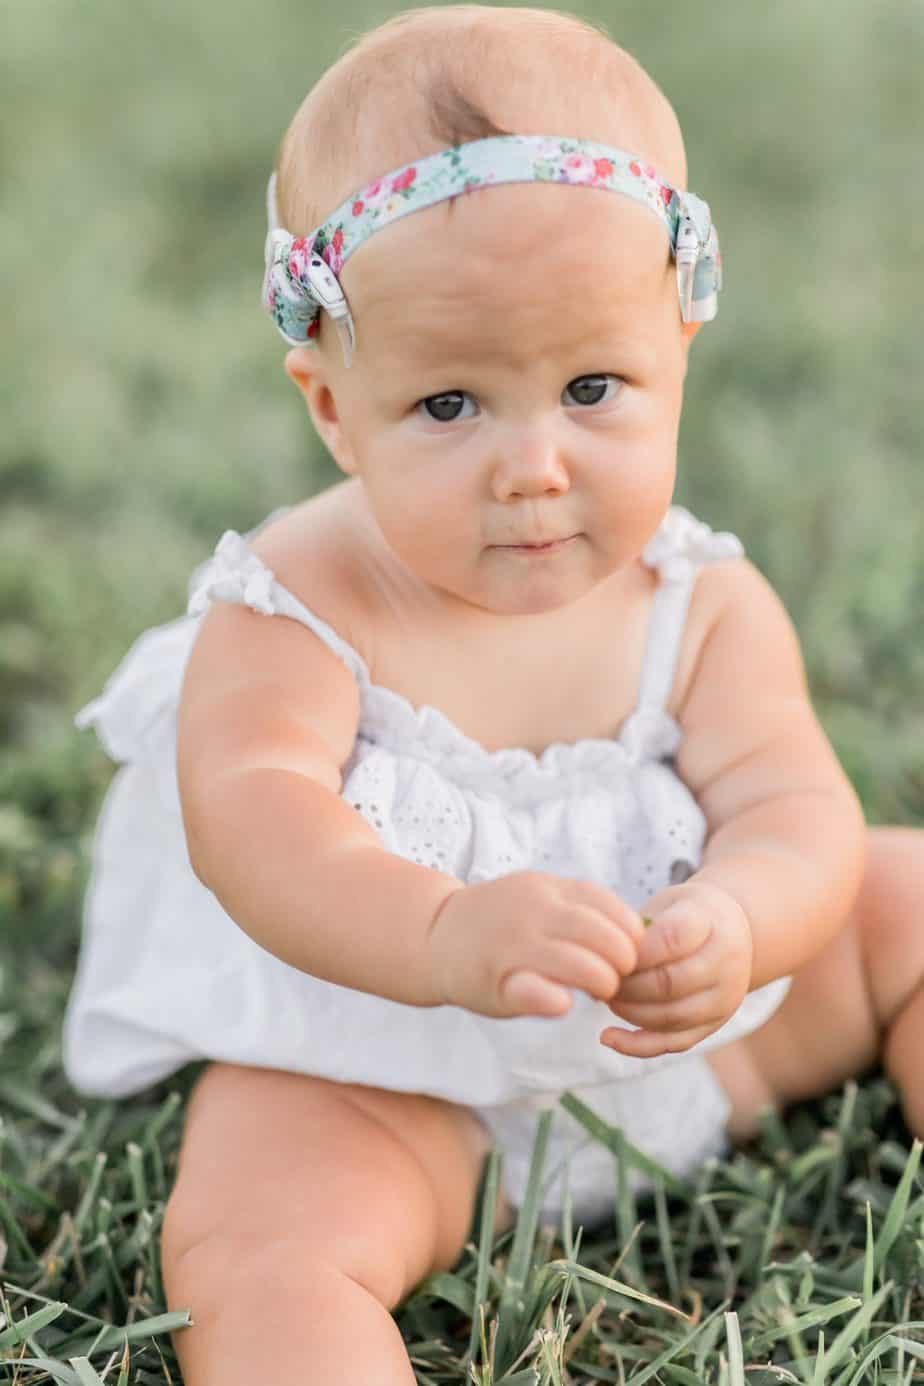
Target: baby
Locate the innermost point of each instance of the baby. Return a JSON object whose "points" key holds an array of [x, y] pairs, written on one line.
{"points": [[487, 773]]}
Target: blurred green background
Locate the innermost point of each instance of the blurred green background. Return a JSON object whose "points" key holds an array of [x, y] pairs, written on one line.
{"points": [[145, 409]]}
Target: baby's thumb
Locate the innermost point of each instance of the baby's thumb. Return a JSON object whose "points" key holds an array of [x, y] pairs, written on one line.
{"points": [[529, 994], [675, 933]]}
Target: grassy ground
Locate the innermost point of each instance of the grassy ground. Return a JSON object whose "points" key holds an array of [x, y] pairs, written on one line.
{"points": [[144, 411]]}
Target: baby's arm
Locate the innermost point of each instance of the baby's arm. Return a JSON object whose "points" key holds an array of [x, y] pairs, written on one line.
{"points": [[268, 715], [786, 834], [786, 838]]}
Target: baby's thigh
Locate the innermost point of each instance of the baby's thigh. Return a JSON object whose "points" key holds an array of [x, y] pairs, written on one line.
{"points": [[294, 1168]]}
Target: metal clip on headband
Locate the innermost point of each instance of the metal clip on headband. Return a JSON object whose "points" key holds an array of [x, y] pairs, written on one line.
{"points": [[301, 272], [308, 283]]}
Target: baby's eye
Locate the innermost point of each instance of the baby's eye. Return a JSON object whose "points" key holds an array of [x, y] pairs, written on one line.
{"points": [[590, 389], [585, 389], [445, 408]]}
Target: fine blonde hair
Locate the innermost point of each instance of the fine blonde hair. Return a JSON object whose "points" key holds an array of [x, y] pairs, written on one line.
{"points": [[431, 78]]}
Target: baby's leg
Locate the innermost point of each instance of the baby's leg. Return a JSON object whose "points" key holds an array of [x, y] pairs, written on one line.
{"points": [[861, 1000], [303, 1212]]}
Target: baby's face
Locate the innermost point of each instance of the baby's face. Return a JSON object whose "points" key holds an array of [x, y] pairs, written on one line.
{"points": [[518, 379]]}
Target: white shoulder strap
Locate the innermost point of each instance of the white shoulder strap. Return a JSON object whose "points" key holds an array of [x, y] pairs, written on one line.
{"points": [[681, 546], [665, 632], [234, 573]]}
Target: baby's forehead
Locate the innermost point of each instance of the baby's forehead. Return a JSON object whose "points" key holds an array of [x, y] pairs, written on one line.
{"points": [[514, 256]]}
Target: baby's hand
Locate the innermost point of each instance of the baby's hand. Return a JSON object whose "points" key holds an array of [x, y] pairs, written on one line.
{"points": [[513, 945], [693, 972]]}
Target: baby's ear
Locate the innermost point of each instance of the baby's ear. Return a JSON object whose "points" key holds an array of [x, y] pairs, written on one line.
{"points": [[306, 367]]}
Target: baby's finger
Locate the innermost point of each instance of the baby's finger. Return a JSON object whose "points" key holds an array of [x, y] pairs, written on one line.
{"points": [[574, 966], [617, 911], [601, 936], [648, 1044], [673, 935], [529, 994], [670, 981], [704, 1008]]}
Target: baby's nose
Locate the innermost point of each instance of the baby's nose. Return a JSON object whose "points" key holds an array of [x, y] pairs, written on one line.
{"points": [[532, 464]]}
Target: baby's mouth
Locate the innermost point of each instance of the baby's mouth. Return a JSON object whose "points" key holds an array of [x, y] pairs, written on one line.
{"points": [[550, 547]]}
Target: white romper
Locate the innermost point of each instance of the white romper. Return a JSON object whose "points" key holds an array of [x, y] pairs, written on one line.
{"points": [[165, 977]]}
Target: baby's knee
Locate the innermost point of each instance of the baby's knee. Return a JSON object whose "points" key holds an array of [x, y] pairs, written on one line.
{"points": [[289, 1169]]}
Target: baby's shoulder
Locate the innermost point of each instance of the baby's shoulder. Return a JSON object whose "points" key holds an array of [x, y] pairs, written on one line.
{"points": [[730, 597], [314, 550], [739, 633], [730, 587]]}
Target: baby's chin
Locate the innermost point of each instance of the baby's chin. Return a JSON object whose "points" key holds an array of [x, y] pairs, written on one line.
{"points": [[519, 587]]}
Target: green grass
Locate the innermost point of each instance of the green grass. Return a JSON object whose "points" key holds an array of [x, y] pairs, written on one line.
{"points": [[800, 1259], [144, 410]]}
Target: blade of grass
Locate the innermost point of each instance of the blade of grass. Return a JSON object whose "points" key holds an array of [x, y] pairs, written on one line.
{"points": [[835, 1177], [896, 1214], [160, 1119], [111, 1336], [704, 1180], [85, 1206], [26, 1099], [666, 1241], [512, 1306], [619, 1287], [857, 1325], [735, 1350], [626, 1212], [673, 1350], [65, 1376], [804, 1323], [136, 1174], [450, 1288], [876, 1349], [789, 1328], [15, 1237], [84, 1372], [525, 1233], [773, 1224], [711, 1219], [610, 1137], [28, 1192], [24, 1329], [61, 1148], [488, 1210]]}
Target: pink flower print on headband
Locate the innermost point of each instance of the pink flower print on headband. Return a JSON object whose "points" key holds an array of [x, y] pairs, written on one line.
{"points": [[379, 196], [299, 255]]}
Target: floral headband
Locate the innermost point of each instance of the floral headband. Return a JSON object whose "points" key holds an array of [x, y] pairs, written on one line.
{"points": [[301, 271]]}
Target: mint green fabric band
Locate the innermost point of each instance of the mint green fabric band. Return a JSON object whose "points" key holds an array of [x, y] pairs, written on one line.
{"points": [[301, 271]]}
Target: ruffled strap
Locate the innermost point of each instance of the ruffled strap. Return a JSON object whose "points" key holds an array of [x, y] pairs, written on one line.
{"points": [[682, 544], [679, 548], [234, 573], [135, 715]]}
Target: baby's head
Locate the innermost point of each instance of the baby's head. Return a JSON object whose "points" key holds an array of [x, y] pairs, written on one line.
{"points": [[520, 351]]}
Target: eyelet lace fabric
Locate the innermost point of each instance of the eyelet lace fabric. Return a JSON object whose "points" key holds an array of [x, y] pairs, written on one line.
{"points": [[165, 976]]}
